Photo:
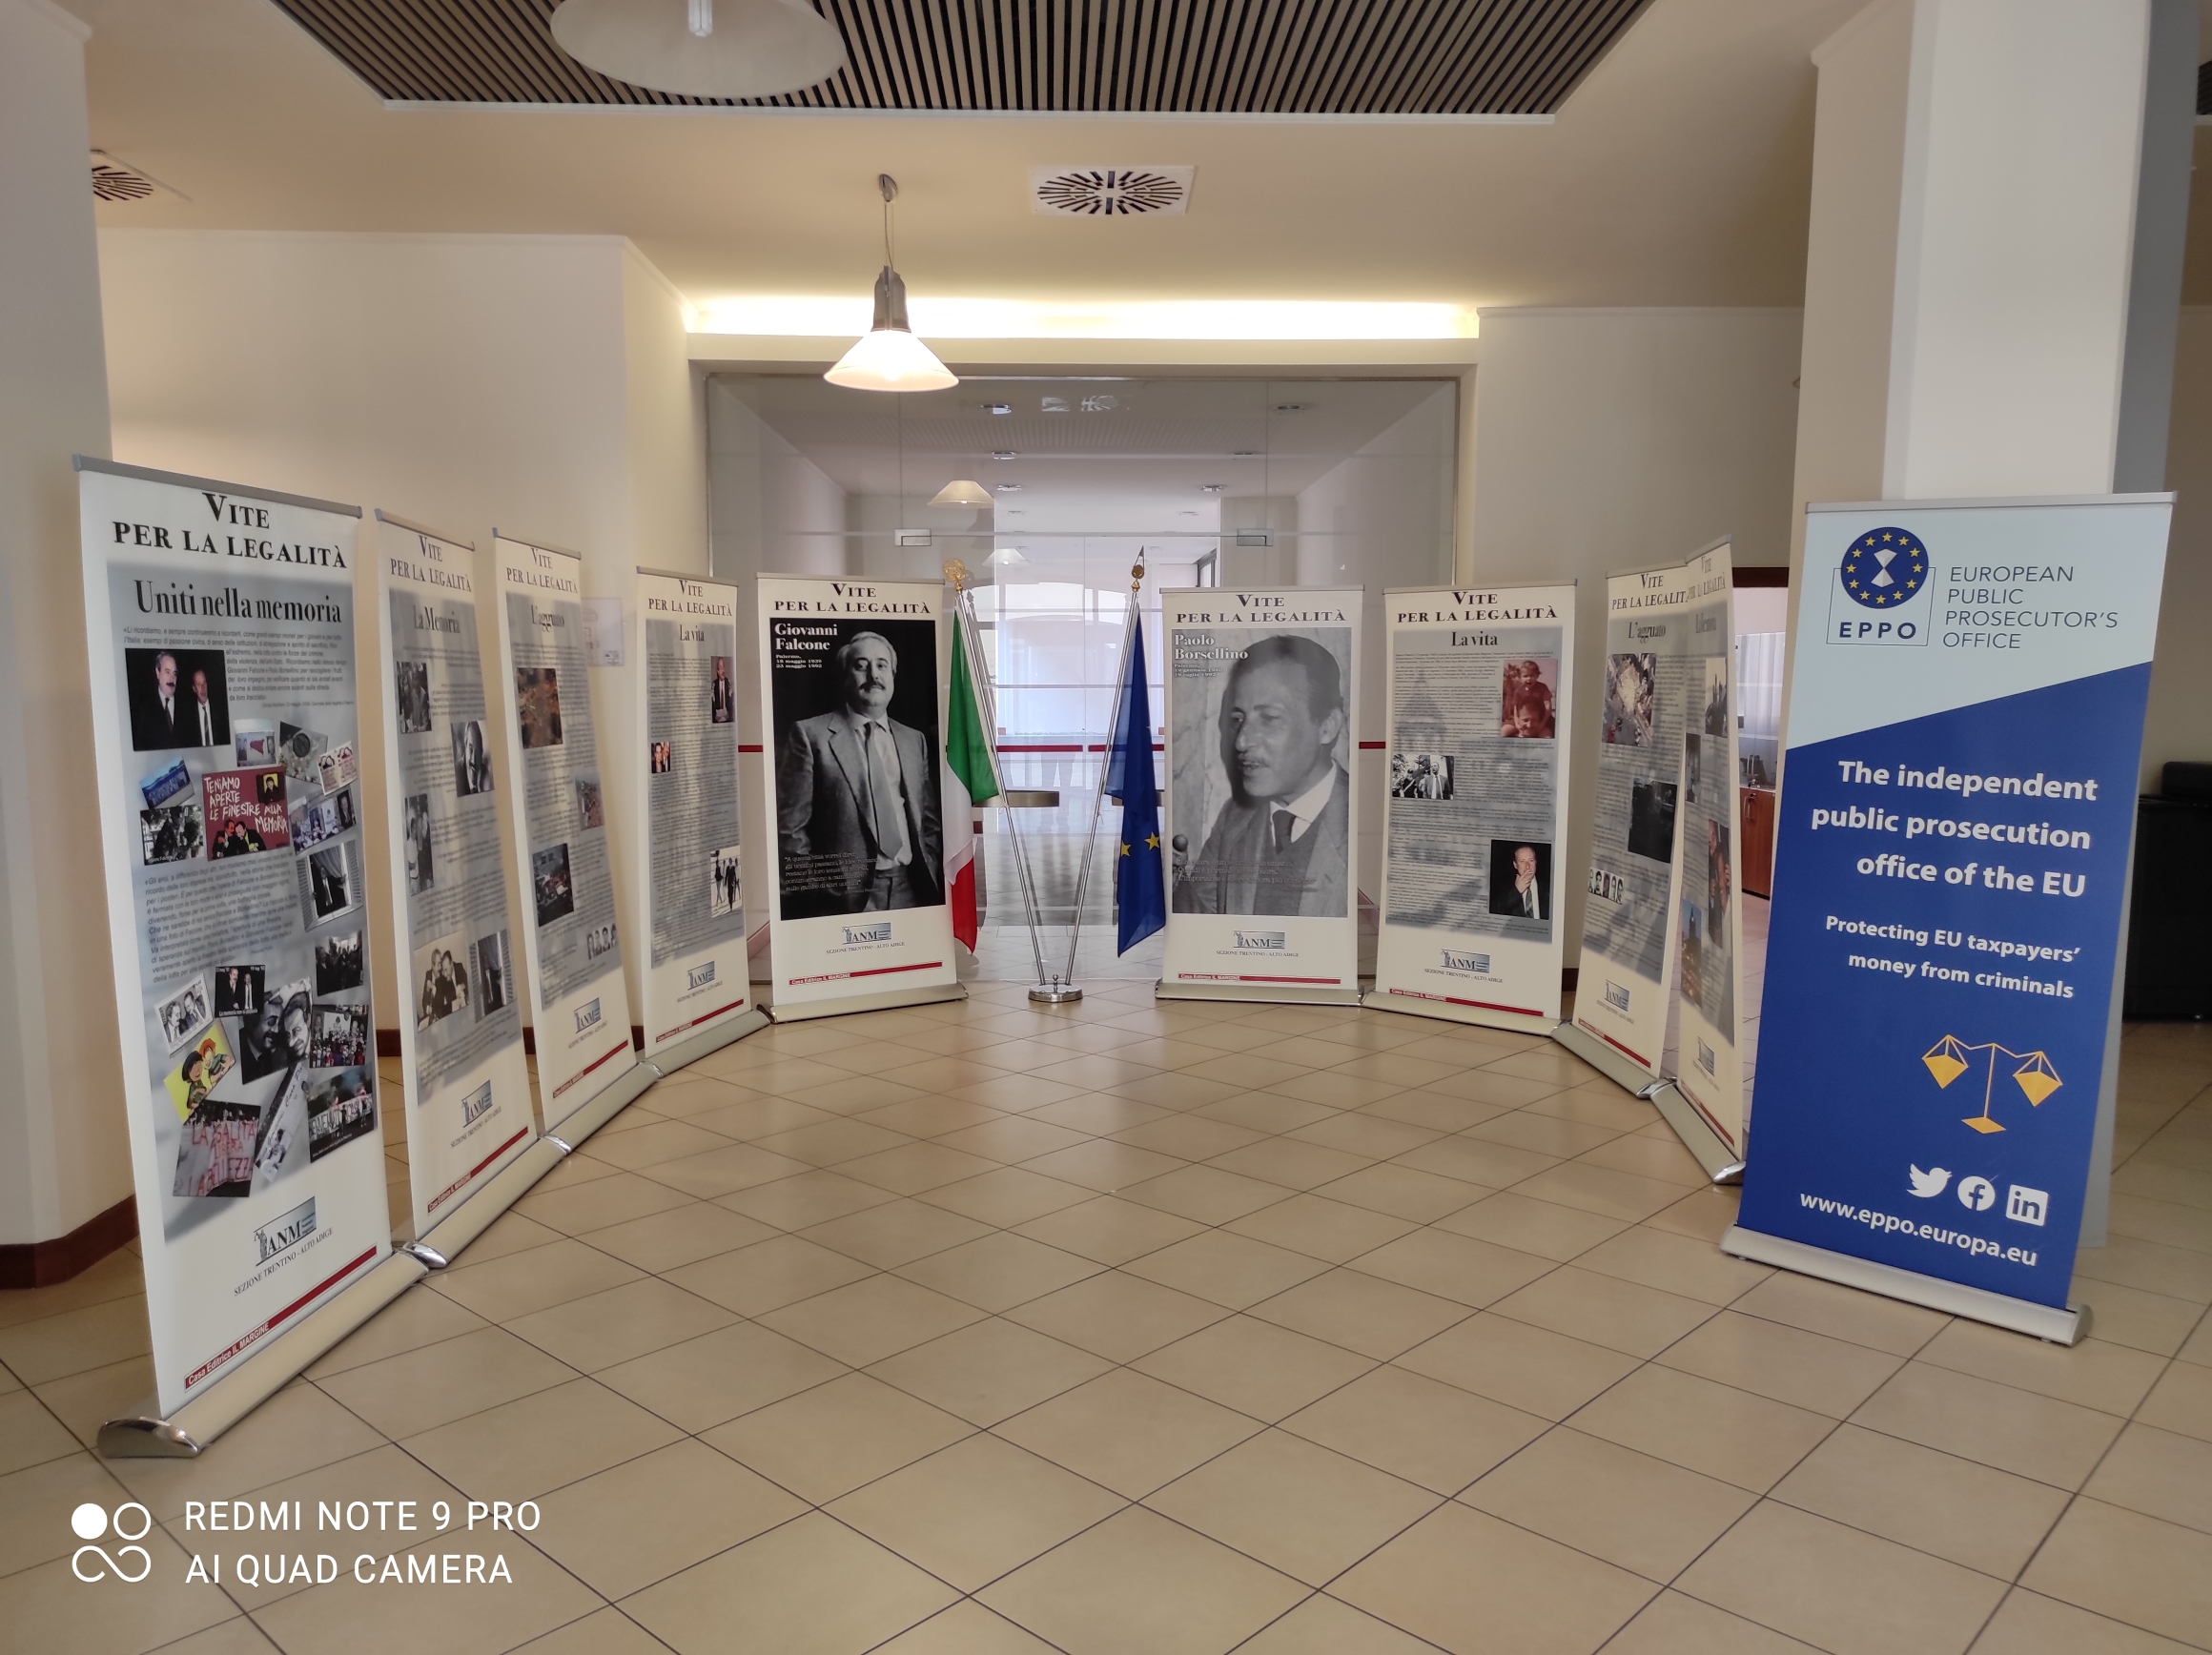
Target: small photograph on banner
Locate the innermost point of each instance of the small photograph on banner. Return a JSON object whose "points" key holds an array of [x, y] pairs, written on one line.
{"points": [[1259, 800], [854, 716]]}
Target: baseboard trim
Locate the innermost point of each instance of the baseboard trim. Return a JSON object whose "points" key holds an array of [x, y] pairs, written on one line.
{"points": [[43, 1263]]}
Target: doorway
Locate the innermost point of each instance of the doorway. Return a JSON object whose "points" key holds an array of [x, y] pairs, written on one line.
{"points": [[1204, 481]]}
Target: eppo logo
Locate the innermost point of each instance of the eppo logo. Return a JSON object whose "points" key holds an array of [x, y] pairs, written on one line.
{"points": [[1878, 596], [91, 1563]]}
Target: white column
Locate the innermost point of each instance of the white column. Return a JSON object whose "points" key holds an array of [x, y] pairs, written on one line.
{"points": [[64, 1158], [1999, 199]]}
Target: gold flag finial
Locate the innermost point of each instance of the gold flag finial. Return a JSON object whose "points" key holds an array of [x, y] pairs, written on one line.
{"points": [[956, 572]]}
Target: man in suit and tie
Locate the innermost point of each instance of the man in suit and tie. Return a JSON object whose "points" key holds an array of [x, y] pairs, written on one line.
{"points": [[1525, 896], [856, 798], [1282, 843], [171, 710]]}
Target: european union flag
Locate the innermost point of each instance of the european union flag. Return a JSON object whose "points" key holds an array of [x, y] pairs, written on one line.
{"points": [[1139, 873]]}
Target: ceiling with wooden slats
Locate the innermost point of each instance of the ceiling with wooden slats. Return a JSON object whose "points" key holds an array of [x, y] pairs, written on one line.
{"points": [[1250, 57]]}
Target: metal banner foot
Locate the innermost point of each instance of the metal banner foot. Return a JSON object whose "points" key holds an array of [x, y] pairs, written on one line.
{"points": [[144, 1437], [1056, 993], [2066, 1327], [423, 1253]]}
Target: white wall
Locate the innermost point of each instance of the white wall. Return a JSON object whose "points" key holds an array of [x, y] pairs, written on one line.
{"points": [[775, 512], [1614, 439], [1382, 517], [64, 1149], [2180, 725], [536, 385]]}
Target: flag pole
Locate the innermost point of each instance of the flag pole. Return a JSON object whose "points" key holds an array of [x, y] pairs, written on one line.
{"points": [[1098, 799], [956, 572]]}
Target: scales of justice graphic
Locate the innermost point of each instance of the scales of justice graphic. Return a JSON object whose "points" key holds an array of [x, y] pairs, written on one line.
{"points": [[1948, 1059]]}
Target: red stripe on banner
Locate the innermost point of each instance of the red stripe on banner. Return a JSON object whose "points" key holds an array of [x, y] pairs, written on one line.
{"points": [[876, 972], [710, 1017], [1614, 1044], [445, 1194], [614, 1053], [282, 1316], [1477, 1005], [1232, 977], [1372, 746], [743, 748], [961, 899]]}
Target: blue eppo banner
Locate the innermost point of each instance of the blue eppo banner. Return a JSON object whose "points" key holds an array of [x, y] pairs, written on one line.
{"points": [[1966, 717]]}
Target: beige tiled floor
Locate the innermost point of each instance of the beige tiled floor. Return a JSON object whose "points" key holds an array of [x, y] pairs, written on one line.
{"points": [[1156, 1328]]}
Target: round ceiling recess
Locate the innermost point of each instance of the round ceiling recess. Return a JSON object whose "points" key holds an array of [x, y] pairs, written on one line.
{"points": [[113, 181], [1111, 191]]}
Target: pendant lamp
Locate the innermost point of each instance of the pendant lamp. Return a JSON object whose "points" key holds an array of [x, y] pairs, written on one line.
{"points": [[889, 358], [962, 492], [703, 48]]}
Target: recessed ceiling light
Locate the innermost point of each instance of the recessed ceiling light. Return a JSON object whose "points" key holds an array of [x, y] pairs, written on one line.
{"points": [[1004, 454], [1010, 488], [1212, 488], [1186, 514], [1054, 404], [1000, 408], [1100, 405]]}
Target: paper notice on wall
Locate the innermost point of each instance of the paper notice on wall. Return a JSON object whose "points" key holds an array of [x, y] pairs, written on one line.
{"points": [[854, 705], [1480, 685], [690, 880], [219, 619], [1262, 811], [557, 817], [460, 999]]}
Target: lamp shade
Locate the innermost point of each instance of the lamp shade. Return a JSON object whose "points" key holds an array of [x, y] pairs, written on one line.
{"points": [[959, 494], [891, 359], [702, 48]]}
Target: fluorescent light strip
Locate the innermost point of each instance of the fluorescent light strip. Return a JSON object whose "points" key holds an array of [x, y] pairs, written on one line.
{"points": [[996, 319]]}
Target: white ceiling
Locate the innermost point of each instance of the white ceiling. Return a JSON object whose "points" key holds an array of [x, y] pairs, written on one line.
{"points": [[1675, 175]]}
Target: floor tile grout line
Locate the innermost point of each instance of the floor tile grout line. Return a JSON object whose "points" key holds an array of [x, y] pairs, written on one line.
{"points": [[2075, 1496]]}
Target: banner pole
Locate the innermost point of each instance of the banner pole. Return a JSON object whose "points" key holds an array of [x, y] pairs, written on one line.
{"points": [[1098, 797]]}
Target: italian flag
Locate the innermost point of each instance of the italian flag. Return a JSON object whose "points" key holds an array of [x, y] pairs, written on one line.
{"points": [[970, 779]]}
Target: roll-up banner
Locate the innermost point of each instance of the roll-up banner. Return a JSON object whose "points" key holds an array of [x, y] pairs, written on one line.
{"points": [[461, 1019], [1478, 687], [694, 987], [225, 741], [1662, 625], [1706, 1070], [1966, 712], [1262, 812], [557, 820], [849, 683]]}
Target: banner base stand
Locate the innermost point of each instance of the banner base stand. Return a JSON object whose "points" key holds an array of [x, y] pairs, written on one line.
{"points": [[668, 1059], [889, 1000], [2066, 1327], [1256, 993], [617, 1097], [1451, 1012], [1706, 1147], [147, 1436], [484, 1209], [1623, 1072]]}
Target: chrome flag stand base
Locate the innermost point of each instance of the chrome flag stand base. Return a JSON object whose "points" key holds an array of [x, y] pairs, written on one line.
{"points": [[1055, 993]]}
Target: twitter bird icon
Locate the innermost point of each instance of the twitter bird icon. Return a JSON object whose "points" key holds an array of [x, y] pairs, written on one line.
{"points": [[1929, 1183]]}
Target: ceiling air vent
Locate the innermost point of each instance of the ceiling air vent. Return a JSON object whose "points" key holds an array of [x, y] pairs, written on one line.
{"points": [[1111, 191], [116, 180]]}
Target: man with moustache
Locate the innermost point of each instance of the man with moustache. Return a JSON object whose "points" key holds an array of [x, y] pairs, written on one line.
{"points": [[1282, 843], [856, 798]]}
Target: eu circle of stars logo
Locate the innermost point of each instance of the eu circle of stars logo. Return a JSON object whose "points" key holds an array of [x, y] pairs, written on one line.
{"points": [[1884, 568]]}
